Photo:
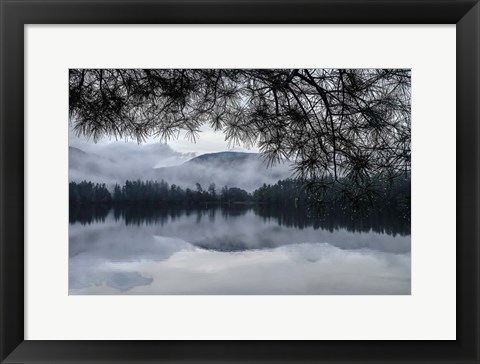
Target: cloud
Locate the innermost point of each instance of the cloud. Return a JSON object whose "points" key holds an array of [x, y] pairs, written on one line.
{"points": [[111, 161], [118, 161]]}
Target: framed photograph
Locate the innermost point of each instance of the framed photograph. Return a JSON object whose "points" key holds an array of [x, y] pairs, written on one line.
{"points": [[239, 181]]}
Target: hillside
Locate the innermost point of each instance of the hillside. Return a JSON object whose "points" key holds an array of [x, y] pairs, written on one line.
{"points": [[234, 169]]}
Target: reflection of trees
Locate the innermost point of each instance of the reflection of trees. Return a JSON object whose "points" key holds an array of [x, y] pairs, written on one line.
{"points": [[140, 215], [385, 220], [87, 214], [146, 214], [234, 210], [380, 220]]}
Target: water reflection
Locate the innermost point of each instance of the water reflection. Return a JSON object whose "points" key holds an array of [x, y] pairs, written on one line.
{"points": [[381, 221], [236, 250]]}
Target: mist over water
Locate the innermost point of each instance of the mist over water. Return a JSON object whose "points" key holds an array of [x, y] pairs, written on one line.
{"points": [[235, 250]]}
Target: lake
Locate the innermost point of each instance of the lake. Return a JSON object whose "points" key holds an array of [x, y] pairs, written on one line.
{"points": [[236, 250]]}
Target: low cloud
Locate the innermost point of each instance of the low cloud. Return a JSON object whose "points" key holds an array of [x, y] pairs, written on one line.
{"points": [[114, 162]]}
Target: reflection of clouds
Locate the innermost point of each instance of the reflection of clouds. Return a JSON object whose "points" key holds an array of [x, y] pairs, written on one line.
{"points": [[96, 250], [120, 281], [123, 281], [117, 242], [113, 258], [283, 270]]}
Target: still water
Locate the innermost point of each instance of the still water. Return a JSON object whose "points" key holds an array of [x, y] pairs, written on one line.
{"points": [[235, 250]]}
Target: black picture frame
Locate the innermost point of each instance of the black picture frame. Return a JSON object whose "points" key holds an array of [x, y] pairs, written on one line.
{"points": [[16, 13]]}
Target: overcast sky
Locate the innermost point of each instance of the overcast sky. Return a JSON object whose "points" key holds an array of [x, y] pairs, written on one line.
{"points": [[207, 142]]}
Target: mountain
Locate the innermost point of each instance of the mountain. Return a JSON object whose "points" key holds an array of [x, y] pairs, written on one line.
{"points": [[116, 163], [224, 157], [75, 152], [234, 169]]}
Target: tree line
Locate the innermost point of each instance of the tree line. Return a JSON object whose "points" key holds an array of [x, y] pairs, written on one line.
{"points": [[375, 191], [153, 193]]}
